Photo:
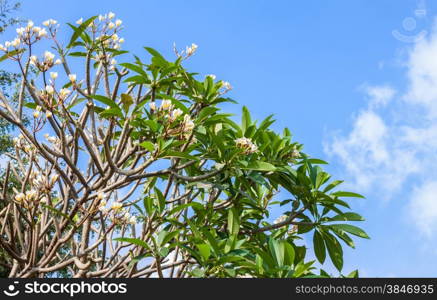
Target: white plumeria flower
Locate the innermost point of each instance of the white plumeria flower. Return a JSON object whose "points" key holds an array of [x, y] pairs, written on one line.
{"points": [[116, 206], [176, 113], [72, 77], [49, 114], [52, 139], [31, 195], [152, 105], [42, 33], [53, 75], [227, 85], [80, 21], [33, 59], [133, 220], [101, 196], [280, 219], [191, 50], [63, 93], [46, 23], [20, 30], [7, 44], [48, 56], [113, 61], [188, 123], [165, 104], [121, 40], [118, 22], [246, 144], [111, 15], [30, 24], [58, 61], [114, 37], [111, 25], [54, 179], [212, 76], [16, 42], [49, 89], [3, 48], [20, 197]]}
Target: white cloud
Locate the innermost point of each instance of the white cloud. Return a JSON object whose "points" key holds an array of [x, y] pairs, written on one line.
{"points": [[423, 207], [394, 139], [379, 95]]}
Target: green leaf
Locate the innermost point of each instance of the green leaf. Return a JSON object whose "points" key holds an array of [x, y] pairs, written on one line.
{"points": [[260, 166], [351, 229], [136, 69], [233, 222], [289, 254], [319, 247], [316, 161], [58, 212], [161, 200], [335, 250], [79, 30], [347, 194], [204, 250], [105, 100], [245, 120], [11, 53], [278, 250], [148, 146], [133, 241], [348, 216], [353, 274]]}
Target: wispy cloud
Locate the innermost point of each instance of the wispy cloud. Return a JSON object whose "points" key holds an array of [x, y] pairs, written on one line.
{"points": [[392, 145]]}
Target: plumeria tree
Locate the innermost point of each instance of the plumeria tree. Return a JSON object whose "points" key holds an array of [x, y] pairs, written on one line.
{"points": [[131, 169]]}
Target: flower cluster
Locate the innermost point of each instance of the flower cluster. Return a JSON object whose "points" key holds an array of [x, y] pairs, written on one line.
{"points": [[43, 183], [118, 214], [21, 143], [25, 35], [29, 199], [247, 145], [191, 50], [280, 219], [172, 114], [106, 30], [47, 61], [37, 112]]}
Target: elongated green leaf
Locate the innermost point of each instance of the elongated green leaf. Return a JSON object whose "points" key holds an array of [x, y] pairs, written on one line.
{"points": [[347, 194], [134, 241], [204, 250], [148, 146], [348, 216], [351, 229], [334, 249], [11, 54], [79, 30], [245, 120], [319, 247], [260, 166], [233, 222]]}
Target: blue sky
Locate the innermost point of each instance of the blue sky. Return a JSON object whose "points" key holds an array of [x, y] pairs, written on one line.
{"points": [[353, 92]]}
